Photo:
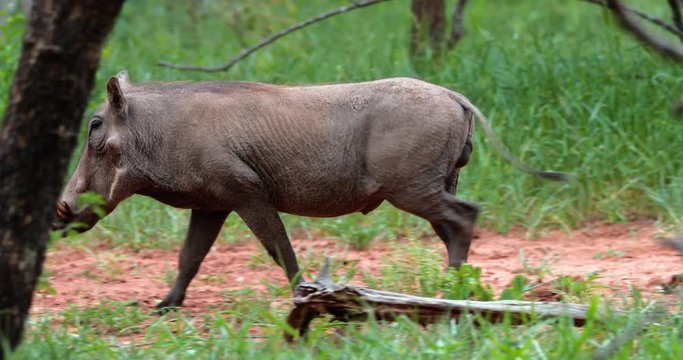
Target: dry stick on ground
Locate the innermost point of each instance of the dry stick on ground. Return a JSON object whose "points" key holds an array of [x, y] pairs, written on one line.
{"points": [[456, 30], [659, 22], [272, 38], [350, 303]]}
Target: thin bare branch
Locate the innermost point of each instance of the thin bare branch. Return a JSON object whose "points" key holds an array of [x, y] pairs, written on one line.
{"points": [[675, 6], [272, 38], [626, 17], [456, 30], [659, 22], [645, 36]]}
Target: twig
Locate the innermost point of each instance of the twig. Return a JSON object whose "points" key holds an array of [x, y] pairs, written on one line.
{"points": [[618, 342], [270, 39], [661, 23], [632, 330], [456, 31], [645, 36], [676, 15]]}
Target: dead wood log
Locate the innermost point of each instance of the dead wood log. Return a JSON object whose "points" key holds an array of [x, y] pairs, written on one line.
{"points": [[349, 303]]}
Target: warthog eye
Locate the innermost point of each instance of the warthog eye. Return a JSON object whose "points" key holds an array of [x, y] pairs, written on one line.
{"points": [[95, 124], [95, 136]]}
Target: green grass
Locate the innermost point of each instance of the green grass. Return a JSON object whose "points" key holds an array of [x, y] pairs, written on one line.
{"points": [[250, 324], [218, 336], [565, 90]]}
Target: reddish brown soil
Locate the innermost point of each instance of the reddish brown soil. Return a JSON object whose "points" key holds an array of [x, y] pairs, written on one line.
{"points": [[624, 255]]}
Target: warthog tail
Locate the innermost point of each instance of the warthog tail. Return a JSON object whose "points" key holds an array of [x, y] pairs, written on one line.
{"points": [[500, 147]]}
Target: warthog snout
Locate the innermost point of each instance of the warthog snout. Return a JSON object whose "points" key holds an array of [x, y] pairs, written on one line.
{"points": [[85, 218], [64, 213], [64, 216]]}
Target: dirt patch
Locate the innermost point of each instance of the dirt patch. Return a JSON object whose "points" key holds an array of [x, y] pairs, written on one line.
{"points": [[624, 256]]}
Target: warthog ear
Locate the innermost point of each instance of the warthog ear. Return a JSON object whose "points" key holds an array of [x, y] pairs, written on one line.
{"points": [[115, 96]]}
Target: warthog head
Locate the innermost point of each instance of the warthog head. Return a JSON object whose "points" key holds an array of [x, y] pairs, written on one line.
{"points": [[99, 169]]}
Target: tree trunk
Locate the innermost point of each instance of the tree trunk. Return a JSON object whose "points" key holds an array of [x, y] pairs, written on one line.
{"points": [[60, 54], [456, 28], [429, 23]]}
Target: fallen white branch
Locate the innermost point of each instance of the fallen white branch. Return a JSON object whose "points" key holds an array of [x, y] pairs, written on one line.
{"points": [[350, 303]]}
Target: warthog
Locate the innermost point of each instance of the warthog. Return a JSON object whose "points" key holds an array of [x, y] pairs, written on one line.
{"points": [[258, 149]]}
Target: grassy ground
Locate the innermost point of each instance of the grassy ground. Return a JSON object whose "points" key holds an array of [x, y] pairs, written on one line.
{"points": [[564, 88], [250, 325]]}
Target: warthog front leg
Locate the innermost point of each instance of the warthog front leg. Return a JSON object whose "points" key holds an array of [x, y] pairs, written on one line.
{"points": [[202, 233], [264, 221]]}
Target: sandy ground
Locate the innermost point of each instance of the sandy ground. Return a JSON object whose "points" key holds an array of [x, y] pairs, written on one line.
{"points": [[625, 256]]}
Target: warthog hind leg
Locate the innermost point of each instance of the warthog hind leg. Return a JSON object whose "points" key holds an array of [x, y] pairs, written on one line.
{"points": [[452, 219]]}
